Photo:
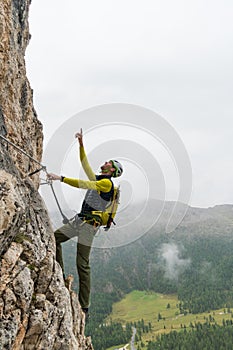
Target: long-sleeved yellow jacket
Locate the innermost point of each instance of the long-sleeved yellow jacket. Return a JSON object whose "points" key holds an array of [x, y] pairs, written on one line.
{"points": [[102, 185]]}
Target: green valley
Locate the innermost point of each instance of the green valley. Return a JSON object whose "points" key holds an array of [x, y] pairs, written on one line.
{"points": [[187, 276], [162, 313]]}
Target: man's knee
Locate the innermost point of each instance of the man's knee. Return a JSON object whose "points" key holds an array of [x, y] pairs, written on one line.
{"points": [[83, 266]]}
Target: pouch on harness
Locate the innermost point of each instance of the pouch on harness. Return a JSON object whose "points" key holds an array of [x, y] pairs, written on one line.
{"points": [[106, 217]]}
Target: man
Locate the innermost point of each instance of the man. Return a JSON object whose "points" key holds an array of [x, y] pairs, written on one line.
{"points": [[85, 225]]}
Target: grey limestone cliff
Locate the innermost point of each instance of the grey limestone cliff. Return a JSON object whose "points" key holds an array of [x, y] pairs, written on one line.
{"points": [[37, 311]]}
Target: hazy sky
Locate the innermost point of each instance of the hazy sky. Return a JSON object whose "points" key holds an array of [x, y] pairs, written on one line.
{"points": [[173, 57]]}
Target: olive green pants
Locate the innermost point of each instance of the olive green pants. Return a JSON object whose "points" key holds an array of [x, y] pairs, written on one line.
{"points": [[85, 234]]}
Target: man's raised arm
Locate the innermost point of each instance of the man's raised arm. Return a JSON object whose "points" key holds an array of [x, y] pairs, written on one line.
{"points": [[83, 158]]}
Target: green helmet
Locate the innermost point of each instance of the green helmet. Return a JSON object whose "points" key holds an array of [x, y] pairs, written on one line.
{"points": [[119, 169]]}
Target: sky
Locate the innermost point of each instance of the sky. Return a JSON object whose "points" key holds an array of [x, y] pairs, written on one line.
{"points": [[174, 58]]}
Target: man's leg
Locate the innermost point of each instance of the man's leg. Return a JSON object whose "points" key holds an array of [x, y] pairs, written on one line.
{"points": [[85, 237], [63, 234]]}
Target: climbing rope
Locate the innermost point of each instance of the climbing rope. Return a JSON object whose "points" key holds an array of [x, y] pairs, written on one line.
{"points": [[22, 151], [65, 219], [43, 168]]}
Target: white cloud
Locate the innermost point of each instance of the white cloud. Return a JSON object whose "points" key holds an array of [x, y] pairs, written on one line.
{"points": [[174, 265]]}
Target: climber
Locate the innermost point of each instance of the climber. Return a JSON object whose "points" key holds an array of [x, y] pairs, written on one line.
{"points": [[85, 225]]}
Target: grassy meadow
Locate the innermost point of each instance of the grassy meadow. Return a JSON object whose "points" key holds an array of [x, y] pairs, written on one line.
{"points": [[149, 306]]}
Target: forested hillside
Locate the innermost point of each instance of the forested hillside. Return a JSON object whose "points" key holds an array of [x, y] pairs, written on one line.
{"points": [[207, 336], [195, 262]]}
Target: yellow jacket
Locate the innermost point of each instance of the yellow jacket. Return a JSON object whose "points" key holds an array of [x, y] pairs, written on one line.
{"points": [[102, 185]]}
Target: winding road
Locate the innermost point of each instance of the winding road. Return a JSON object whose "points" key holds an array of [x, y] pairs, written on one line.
{"points": [[133, 339]]}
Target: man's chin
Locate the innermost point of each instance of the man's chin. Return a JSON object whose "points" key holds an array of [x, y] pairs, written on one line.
{"points": [[104, 171]]}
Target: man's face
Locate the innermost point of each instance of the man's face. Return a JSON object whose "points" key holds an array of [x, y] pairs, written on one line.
{"points": [[107, 166]]}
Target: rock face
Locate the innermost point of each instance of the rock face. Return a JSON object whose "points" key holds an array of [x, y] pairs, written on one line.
{"points": [[37, 311]]}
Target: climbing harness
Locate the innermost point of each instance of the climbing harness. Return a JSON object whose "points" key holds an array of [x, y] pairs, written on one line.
{"points": [[43, 168]]}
